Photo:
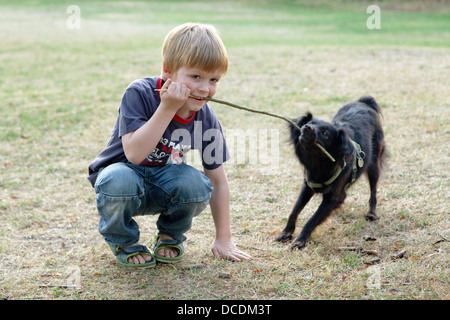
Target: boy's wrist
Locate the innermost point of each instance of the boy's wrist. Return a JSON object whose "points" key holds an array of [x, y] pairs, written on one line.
{"points": [[223, 235], [169, 108], [166, 110]]}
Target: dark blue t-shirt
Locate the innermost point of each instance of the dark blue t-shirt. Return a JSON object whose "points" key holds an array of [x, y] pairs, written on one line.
{"points": [[140, 101]]}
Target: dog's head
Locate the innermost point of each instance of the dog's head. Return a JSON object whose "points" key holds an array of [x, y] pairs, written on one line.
{"points": [[315, 131]]}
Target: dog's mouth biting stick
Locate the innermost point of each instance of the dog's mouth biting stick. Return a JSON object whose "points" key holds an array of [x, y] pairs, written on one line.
{"points": [[325, 151], [260, 112]]}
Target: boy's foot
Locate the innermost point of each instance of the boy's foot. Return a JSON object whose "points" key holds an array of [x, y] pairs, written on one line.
{"points": [[168, 252], [134, 256], [167, 249], [138, 258]]}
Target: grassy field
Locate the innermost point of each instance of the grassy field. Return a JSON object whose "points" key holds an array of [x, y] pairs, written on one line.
{"points": [[59, 93]]}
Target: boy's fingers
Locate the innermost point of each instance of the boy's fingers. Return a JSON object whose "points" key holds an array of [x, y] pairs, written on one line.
{"points": [[177, 88], [185, 91], [239, 255], [233, 256], [216, 253], [244, 255], [166, 84]]}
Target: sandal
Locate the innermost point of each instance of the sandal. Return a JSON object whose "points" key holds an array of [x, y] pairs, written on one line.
{"points": [[168, 243], [123, 255]]}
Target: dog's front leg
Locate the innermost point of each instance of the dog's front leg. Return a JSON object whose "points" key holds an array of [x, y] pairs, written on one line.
{"points": [[326, 207], [305, 195]]}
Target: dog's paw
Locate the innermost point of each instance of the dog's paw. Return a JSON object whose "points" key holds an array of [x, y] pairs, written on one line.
{"points": [[370, 216], [283, 237], [298, 244]]}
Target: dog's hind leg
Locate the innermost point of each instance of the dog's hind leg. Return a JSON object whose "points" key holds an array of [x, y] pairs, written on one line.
{"points": [[373, 174], [325, 209], [305, 195]]}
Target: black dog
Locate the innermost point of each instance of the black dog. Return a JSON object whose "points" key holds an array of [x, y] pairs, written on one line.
{"points": [[355, 144]]}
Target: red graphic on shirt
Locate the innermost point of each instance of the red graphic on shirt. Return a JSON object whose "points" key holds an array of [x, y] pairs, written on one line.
{"points": [[166, 152]]}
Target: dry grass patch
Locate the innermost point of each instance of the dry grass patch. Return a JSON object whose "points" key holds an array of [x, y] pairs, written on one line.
{"points": [[49, 219]]}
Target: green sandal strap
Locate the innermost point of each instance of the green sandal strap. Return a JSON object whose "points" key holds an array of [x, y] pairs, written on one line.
{"points": [[168, 243], [123, 255]]}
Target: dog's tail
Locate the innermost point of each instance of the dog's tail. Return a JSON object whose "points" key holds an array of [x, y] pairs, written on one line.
{"points": [[382, 152], [370, 101]]}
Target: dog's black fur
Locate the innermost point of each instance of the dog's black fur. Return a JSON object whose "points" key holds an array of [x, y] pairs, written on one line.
{"points": [[359, 121]]}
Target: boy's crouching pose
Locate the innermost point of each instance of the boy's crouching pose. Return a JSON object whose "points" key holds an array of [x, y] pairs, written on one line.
{"points": [[142, 170]]}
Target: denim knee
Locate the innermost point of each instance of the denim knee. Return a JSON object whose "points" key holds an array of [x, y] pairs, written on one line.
{"points": [[189, 192], [192, 187], [119, 192], [118, 180]]}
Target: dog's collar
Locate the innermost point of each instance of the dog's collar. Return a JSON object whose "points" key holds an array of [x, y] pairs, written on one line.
{"points": [[316, 185], [358, 156], [358, 161]]}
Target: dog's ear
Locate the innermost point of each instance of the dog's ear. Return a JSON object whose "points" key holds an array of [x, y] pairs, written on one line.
{"points": [[300, 122], [305, 119], [343, 142]]}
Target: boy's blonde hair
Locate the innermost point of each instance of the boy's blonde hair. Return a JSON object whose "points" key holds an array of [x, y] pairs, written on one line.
{"points": [[194, 45]]}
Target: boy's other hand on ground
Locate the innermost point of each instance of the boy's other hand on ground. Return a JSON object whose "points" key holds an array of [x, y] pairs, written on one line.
{"points": [[227, 250]]}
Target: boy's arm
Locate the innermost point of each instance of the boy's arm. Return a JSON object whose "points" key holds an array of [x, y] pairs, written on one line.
{"points": [[223, 246], [138, 144]]}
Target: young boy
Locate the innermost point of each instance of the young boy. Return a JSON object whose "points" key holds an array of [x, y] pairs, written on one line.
{"points": [[142, 170]]}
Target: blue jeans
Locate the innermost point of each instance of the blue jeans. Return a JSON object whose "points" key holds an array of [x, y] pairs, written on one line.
{"points": [[177, 193]]}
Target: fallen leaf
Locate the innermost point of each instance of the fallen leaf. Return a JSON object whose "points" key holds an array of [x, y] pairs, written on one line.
{"points": [[274, 233], [395, 291]]}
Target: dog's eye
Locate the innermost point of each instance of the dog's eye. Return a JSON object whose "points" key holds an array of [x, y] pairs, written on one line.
{"points": [[325, 133]]}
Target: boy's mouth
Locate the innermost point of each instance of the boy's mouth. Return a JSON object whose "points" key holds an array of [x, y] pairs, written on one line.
{"points": [[197, 98], [202, 99]]}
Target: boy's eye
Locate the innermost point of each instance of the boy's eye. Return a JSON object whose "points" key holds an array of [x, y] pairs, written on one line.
{"points": [[196, 77]]}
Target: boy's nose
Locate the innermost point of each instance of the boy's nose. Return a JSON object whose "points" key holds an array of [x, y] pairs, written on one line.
{"points": [[204, 88]]}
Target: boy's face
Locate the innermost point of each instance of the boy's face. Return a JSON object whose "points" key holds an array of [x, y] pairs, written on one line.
{"points": [[202, 84]]}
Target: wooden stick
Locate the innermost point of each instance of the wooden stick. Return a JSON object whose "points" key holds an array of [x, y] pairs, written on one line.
{"points": [[399, 255], [325, 151], [350, 249], [224, 275], [65, 286], [260, 112], [192, 266], [372, 262], [243, 108]]}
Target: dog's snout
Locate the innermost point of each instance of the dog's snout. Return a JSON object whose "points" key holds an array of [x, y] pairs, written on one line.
{"points": [[308, 134]]}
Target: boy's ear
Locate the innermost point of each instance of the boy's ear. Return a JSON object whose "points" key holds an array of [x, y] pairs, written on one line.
{"points": [[166, 73]]}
